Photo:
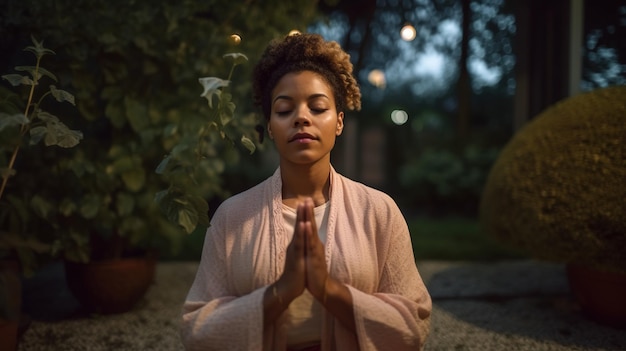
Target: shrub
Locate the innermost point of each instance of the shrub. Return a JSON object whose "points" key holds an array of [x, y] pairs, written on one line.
{"points": [[558, 188]]}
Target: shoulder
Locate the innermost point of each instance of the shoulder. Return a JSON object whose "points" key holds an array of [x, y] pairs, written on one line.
{"points": [[243, 204], [367, 194], [374, 213]]}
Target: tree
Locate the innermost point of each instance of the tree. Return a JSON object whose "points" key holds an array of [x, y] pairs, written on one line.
{"points": [[458, 43], [604, 60]]}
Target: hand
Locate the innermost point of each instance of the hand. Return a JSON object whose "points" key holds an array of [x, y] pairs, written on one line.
{"points": [[305, 264], [293, 280], [316, 270], [305, 268]]}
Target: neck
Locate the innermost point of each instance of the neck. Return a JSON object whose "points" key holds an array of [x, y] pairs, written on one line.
{"points": [[302, 181]]}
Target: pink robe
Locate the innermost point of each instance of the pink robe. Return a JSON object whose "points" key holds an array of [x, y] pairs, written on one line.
{"points": [[368, 248]]}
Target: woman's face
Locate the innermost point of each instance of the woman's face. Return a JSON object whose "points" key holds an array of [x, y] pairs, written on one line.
{"points": [[304, 122]]}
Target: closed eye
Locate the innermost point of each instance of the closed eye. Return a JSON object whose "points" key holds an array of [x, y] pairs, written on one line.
{"points": [[319, 110], [315, 111]]}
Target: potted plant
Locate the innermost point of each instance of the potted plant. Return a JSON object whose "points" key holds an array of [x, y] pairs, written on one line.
{"points": [[557, 190], [137, 87], [115, 231], [24, 124]]}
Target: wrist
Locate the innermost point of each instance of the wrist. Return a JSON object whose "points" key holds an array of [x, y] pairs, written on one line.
{"points": [[276, 295], [283, 292], [328, 291]]}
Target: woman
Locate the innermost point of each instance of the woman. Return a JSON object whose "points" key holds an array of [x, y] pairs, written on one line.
{"points": [[307, 259]]}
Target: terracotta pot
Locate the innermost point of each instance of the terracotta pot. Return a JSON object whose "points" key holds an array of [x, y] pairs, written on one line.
{"points": [[8, 335], [111, 286], [600, 294], [11, 304]]}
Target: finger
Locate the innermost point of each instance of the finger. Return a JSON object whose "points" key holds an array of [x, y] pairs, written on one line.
{"points": [[310, 243], [301, 212], [310, 206], [299, 237], [310, 210], [314, 246], [307, 208], [316, 271]]}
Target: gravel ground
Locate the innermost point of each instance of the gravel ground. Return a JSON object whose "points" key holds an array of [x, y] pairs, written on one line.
{"points": [[510, 305]]}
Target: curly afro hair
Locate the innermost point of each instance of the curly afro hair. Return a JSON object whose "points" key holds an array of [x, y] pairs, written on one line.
{"points": [[305, 52]]}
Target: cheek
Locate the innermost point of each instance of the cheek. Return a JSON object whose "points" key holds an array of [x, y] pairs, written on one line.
{"points": [[274, 129]]}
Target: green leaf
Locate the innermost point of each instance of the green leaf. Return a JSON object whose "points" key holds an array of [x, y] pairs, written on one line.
{"points": [[163, 165], [18, 79], [67, 207], [6, 172], [40, 72], [123, 162], [226, 108], [125, 204], [42, 207], [90, 206], [248, 144], [38, 48], [160, 195], [211, 86], [62, 95], [183, 209], [37, 134], [55, 132], [136, 113], [76, 248], [134, 179], [11, 102], [202, 210], [188, 219], [7, 120], [113, 111]]}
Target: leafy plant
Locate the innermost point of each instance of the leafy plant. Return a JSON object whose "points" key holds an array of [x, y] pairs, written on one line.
{"points": [[23, 122], [136, 89], [194, 154]]}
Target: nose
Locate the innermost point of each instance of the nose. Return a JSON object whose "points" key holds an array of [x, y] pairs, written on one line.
{"points": [[302, 117]]}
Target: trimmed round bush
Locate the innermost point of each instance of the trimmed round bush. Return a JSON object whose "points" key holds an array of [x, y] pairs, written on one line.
{"points": [[558, 188]]}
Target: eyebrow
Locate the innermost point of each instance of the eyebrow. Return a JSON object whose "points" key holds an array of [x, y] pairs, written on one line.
{"points": [[312, 97]]}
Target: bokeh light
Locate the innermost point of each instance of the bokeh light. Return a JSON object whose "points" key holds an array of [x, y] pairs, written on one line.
{"points": [[408, 32], [399, 117], [235, 39], [377, 78]]}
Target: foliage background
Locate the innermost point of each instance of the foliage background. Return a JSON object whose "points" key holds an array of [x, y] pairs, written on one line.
{"points": [[133, 67]]}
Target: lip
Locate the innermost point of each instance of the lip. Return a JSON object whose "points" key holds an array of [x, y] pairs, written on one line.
{"points": [[302, 137]]}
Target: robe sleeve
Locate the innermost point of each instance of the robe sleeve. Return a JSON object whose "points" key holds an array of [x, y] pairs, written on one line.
{"points": [[214, 319], [397, 316]]}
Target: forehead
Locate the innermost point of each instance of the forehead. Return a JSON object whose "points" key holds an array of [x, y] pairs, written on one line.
{"points": [[302, 82]]}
